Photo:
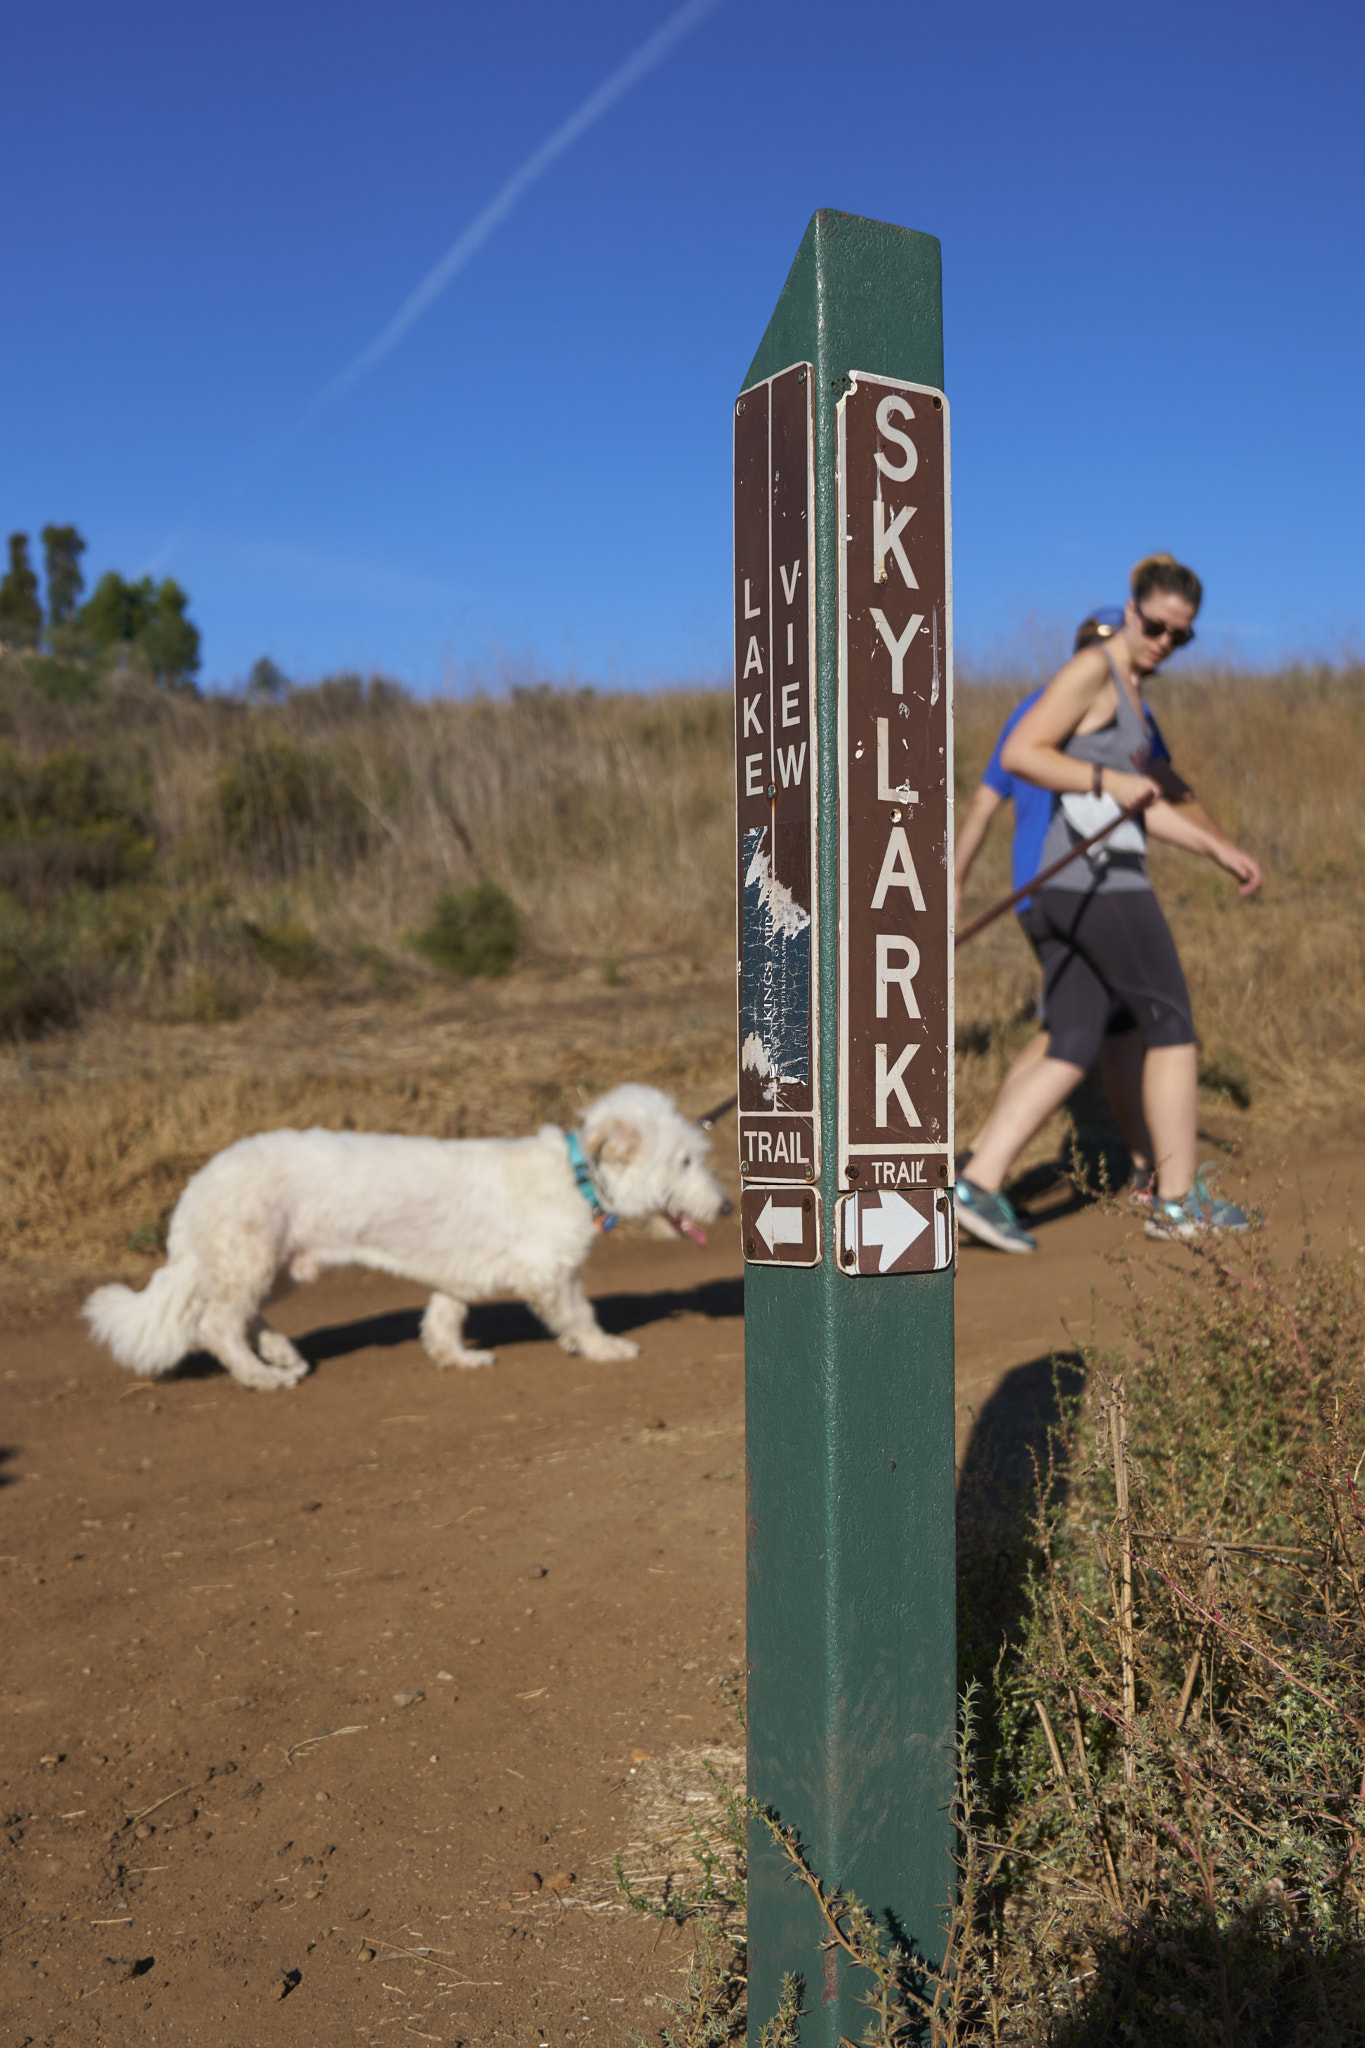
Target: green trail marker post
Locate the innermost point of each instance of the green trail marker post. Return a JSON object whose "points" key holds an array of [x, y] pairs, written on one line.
{"points": [[843, 679]]}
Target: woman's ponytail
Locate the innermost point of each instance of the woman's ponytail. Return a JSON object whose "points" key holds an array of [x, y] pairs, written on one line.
{"points": [[1163, 572]]}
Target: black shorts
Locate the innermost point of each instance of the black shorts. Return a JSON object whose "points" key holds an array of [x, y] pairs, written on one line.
{"points": [[1100, 950], [1120, 1020]]}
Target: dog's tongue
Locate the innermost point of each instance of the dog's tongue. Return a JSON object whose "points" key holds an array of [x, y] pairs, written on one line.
{"points": [[685, 1227]]}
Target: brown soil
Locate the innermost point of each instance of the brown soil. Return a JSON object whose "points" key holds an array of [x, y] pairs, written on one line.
{"points": [[324, 1713]]}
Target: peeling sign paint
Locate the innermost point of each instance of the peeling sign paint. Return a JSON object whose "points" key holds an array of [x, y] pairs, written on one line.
{"points": [[775, 1022]]}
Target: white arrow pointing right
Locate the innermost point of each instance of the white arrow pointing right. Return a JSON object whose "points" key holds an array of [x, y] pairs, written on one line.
{"points": [[780, 1223], [894, 1226]]}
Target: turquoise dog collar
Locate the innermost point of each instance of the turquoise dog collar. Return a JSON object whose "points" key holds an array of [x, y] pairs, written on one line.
{"points": [[582, 1174]]}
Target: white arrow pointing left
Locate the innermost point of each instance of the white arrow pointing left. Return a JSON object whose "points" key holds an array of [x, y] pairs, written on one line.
{"points": [[780, 1223], [894, 1226]]}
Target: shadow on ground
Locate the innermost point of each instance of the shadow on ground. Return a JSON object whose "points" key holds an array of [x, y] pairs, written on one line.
{"points": [[1181, 1983], [996, 1491], [495, 1324]]}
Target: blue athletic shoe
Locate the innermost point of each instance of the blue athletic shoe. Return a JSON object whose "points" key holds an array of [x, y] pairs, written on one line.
{"points": [[991, 1217], [1194, 1215]]}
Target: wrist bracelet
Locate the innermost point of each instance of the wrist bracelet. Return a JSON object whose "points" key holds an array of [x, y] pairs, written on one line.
{"points": [[1099, 780]]}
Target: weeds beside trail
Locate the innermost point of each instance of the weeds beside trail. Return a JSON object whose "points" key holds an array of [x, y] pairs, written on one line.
{"points": [[1162, 1780]]}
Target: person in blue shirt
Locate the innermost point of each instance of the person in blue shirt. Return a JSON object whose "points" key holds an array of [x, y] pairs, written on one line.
{"points": [[1120, 1063]]}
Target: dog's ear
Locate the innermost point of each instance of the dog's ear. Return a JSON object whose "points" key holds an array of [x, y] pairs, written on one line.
{"points": [[616, 1144]]}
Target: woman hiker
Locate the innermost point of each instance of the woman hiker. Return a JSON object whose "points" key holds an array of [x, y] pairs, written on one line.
{"points": [[1120, 1057], [1096, 925]]}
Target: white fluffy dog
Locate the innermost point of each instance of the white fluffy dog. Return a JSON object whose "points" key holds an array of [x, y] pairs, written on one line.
{"points": [[468, 1218]]}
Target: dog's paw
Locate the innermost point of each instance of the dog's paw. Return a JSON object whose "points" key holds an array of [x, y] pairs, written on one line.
{"points": [[268, 1379], [287, 1365], [604, 1350], [465, 1361]]}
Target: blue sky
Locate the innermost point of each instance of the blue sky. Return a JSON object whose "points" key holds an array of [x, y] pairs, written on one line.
{"points": [[1154, 301]]}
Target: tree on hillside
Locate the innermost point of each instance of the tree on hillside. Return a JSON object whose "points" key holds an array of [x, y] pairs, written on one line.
{"points": [[115, 612], [266, 683], [148, 619], [169, 640], [21, 615], [62, 551]]}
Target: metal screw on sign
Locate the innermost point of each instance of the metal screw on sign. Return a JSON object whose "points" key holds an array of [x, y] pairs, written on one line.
{"points": [[843, 737]]}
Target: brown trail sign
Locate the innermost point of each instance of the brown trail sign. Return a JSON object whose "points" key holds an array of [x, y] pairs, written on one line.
{"points": [[895, 819], [775, 767], [781, 1225]]}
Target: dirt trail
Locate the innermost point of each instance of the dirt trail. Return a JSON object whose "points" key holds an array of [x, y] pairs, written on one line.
{"points": [[224, 1827]]}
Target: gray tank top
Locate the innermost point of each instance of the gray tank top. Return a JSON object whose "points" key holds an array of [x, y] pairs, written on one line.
{"points": [[1108, 869]]}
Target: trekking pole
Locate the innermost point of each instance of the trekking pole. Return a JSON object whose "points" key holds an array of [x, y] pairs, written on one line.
{"points": [[1082, 846]]}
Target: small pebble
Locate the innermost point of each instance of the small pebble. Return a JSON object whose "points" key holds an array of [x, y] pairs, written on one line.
{"points": [[560, 1882], [529, 1881], [538, 1571], [446, 1677], [366, 1956], [407, 1699]]}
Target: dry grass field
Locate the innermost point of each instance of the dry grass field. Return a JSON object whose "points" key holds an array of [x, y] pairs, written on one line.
{"points": [[208, 916]]}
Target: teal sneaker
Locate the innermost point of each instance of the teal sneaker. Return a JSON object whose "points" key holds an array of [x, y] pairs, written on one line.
{"points": [[991, 1217], [1195, 1214]]}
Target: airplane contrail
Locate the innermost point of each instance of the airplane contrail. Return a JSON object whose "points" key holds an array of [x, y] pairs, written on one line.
{"points": [[650, 53], [644, 60]]}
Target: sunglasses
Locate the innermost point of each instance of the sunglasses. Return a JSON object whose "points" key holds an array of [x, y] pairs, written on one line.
{"points": [[1180, 636]]}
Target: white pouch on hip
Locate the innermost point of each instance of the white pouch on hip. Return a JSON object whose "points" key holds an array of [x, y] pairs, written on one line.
{"points": [[1086, 814]]}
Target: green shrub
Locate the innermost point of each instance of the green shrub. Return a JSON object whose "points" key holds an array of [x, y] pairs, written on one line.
{"points": [[290, 949], [62, 825], [64, 682], [382, 970], [205, 997], [1227, 1073], [36, 990], [471, 931], [285, 808]]}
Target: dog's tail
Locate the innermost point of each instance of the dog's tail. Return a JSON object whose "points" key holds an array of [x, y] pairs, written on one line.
{"points": [[152, 1331]]}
